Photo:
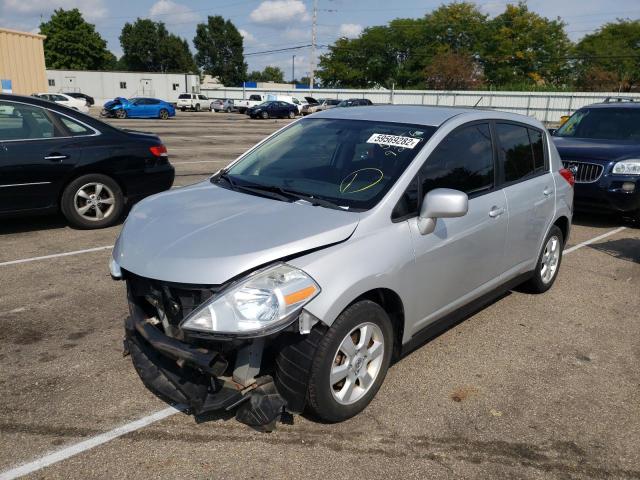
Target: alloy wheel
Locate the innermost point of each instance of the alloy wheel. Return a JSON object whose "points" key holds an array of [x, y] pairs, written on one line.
{"points": [[94, 201], [550, 259], [357, 363]]}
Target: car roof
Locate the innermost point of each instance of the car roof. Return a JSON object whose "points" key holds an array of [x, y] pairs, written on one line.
{"points": [[418, 114], [613, 105]]}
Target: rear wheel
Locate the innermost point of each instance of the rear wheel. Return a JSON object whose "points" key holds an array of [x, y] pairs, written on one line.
{"points": [[548, 264], [265, 115], [121, 113], [164, 114], [183, 109], [350, 362], [92, 201], [228, 110]]}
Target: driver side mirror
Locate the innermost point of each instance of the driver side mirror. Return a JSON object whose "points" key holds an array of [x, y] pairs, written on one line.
{"points": [[441, 203]]}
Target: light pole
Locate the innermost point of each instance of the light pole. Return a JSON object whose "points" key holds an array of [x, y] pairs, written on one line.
{"points": [[293, 69]]}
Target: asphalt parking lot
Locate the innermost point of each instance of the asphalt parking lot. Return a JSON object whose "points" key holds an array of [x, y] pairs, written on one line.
{"points": [[533, 387]]}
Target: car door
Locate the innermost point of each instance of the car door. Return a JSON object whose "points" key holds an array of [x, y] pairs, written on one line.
{"points": [[137, 108], [529, 188], [463, 256], [36, 154]]}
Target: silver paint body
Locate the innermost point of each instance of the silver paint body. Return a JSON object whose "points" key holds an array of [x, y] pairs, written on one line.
{"points": [[206, 234]]}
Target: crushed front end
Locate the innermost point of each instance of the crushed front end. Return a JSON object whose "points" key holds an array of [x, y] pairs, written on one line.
{"points": [[208, 371]]}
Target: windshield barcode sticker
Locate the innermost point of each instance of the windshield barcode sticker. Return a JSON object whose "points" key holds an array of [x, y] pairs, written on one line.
{"points": [[393, 140]]}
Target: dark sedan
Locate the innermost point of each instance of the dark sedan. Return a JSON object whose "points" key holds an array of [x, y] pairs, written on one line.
{"points": [[53, 158], [601, 145], [273, 109], [355, 102]]}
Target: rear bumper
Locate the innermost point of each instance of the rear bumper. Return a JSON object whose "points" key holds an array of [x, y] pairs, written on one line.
{"points": [[151, 181], [607, 195]]}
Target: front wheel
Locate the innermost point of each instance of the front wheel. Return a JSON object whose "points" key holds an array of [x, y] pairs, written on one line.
{"points": [[164, 114], [292, 115], [197, 107], [350, 362], [92, 201], [548, 264], [265, 115], [121, 114]]}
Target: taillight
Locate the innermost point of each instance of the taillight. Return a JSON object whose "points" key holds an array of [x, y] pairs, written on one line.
{"points": [[568, 176], [159, 150]]}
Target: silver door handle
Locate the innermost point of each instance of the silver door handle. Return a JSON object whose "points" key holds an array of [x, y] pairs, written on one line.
{"points": [[56, 157], [547, 191], [496, 212]]}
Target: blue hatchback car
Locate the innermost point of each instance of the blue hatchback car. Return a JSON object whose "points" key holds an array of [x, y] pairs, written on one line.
{"points": [[600, 144], [140, 107]]}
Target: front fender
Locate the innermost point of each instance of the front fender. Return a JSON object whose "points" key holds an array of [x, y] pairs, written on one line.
{"points": [[347, 270]]}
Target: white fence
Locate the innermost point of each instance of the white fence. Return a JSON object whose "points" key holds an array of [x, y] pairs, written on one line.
{"points": [[547, 107]]}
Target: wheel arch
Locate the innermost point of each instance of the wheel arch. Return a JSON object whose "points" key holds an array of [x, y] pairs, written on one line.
{"points": [[564, 225], [81, 171]]}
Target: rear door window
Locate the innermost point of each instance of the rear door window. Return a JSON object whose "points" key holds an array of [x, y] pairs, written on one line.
{"points": [[521, 152], [75, 129]]}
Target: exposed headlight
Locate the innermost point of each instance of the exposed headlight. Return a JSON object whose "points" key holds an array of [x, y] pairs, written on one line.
{"points": [[259, 304], [627, 167]]}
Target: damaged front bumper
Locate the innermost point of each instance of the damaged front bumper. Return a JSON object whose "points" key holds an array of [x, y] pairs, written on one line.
{"points": [[204, 375]]}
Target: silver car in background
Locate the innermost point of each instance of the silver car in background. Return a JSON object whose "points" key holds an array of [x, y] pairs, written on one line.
{"points": [[291, 278]]}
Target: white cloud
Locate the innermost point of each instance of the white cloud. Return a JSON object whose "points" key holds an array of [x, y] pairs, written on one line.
{"points": [[278, 12], [173, 12], [350, 30], [91, 9], [248, 37]]}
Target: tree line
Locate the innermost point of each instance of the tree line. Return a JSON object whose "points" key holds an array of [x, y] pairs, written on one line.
{"points": [[454, 47]]}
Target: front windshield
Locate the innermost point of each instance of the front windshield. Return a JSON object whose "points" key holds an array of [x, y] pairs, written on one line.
{"points": [[603, 124], [352, 163]]}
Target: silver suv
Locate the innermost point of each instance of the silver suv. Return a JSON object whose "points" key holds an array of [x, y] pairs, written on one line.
{"points": [[292, 278]]}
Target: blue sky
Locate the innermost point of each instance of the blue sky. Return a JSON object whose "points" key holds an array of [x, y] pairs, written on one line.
{"points": [[273, 24]]}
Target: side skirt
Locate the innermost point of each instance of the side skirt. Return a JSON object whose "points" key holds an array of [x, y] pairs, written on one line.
{"points": [[445, 323]]}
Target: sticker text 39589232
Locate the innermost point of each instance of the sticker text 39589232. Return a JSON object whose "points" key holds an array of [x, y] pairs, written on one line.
{"points": [[393, 140]]}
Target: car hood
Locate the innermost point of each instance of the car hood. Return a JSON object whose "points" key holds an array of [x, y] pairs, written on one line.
{"points": [[116, 102], [591, 149], [205, 234]]}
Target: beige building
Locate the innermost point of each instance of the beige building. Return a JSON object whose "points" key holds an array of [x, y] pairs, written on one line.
{"points": [[22, 69]]}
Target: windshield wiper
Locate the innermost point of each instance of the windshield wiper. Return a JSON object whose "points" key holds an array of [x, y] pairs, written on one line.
{"points": [[313, 200]]}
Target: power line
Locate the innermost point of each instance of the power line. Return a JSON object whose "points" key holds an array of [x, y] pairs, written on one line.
{"points": [[264, 52]]}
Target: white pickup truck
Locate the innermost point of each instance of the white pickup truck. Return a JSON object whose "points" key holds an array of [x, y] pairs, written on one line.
{"points": [[243, 105]]}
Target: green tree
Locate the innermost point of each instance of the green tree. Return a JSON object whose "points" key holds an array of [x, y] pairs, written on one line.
{"points": [[269, 74], [609, 59], [148, 47], [523, 46], [220, 51], [74, 44], [399, 52]]}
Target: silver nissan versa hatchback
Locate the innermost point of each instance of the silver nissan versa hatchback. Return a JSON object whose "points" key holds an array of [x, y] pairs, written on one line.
{"points": [[292, 278]]}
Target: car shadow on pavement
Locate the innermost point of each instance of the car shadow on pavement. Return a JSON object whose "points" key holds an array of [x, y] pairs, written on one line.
{"points": [[597, 220], [624, 249], [31, 224]]}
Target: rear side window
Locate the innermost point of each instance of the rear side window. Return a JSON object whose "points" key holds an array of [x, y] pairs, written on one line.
{"points": [[184, 96], [75, 129], [521, 151]]}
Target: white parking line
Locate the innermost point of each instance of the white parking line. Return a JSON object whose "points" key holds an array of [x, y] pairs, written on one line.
{"points": [[593, 240], [76, 448], [71, 450], [55, 255]]}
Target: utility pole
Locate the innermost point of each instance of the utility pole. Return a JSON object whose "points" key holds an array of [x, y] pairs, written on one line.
{"points": [[314, 39], [293, 69]]}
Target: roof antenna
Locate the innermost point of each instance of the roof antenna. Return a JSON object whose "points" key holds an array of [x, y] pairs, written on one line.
{"points": [[479, 100]]}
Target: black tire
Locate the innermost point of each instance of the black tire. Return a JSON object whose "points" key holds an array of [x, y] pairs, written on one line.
{"points": [[163, 114], [242, 110], [320, 399], [121, 113], [183, 109], [228, 110], [265, 115], [536, 284], [292, 115], [197, 107], [68, 205]]}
